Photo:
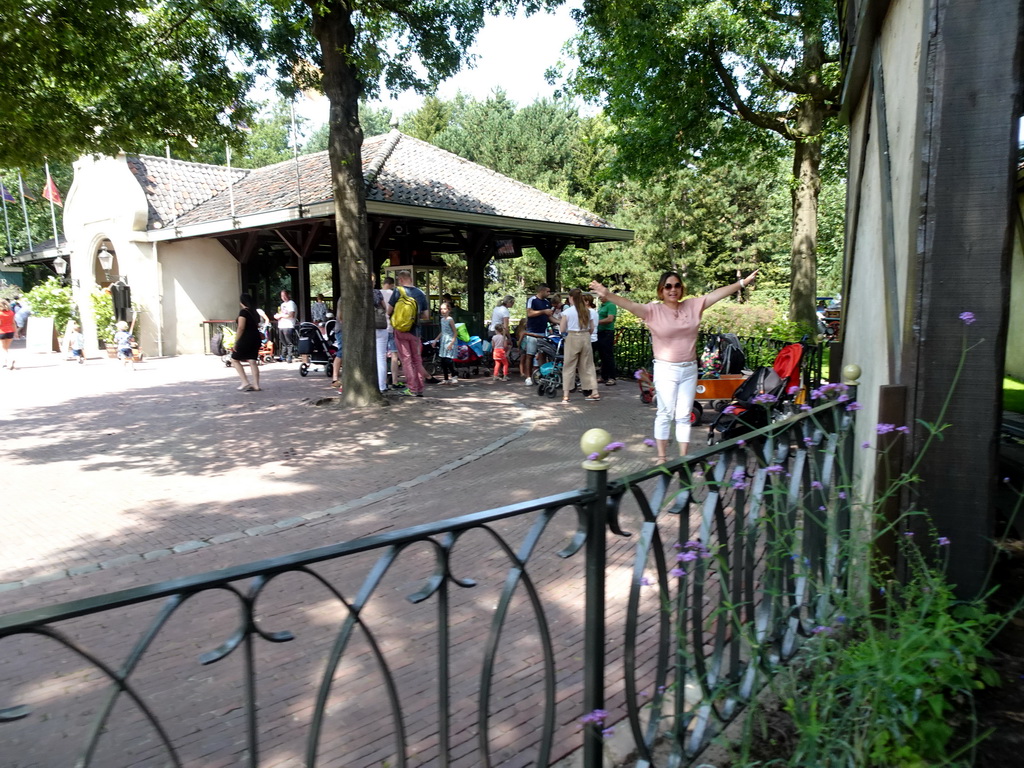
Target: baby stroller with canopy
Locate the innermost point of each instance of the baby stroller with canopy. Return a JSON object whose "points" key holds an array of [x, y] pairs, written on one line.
{"points": [[548, 377], [762, 398], [314, 349]]}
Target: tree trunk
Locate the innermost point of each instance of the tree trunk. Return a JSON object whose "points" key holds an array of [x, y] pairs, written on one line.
{"points": [[332, 26], [804, 253], [810, 116]]}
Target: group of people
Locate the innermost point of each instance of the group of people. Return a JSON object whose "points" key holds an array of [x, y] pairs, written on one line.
{"points": [[402, 310]]}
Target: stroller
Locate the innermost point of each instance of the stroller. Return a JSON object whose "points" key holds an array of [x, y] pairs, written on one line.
{"points": [[549, 375], [762, 398], [470, 354], [314, 349]]}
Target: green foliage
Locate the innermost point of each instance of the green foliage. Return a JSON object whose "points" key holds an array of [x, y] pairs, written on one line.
{"points": [[101, 75], [882, 685], [103, 311], [1013, 395], [53, 299], [714, 79]]}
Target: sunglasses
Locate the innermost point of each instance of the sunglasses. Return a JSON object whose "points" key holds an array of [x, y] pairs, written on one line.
{"points": [[673, 285]]}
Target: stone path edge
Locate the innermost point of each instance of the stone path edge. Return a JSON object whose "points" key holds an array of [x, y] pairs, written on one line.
{"points": [[530, 417]]}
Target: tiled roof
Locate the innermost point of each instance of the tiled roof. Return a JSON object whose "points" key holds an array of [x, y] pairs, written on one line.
{"points": [[397, 168], [175, 187]]}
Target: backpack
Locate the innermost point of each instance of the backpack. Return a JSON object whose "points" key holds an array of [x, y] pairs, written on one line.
{"points": [[380, 315], [217, 345], [403, 318]]}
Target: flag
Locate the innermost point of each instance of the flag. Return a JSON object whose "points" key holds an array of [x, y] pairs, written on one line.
{"points": [[24, 190], [8, 197], [51, 193]]}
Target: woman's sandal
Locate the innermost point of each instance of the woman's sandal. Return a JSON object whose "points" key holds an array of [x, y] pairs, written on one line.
{"points": [[565, 401], [592, 398]]}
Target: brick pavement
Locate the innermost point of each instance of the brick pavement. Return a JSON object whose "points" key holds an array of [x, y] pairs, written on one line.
{"points": [[116, 478]]}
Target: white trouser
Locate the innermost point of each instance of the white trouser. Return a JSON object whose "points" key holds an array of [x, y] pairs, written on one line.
{"points": [[382, 358], [675, 385]]}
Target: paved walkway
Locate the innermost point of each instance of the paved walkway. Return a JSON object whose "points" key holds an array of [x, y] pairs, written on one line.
{"points": [[116, 478], [109, 468]]}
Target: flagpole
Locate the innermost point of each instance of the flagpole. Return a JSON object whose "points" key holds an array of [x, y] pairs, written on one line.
{"points": [[7, 225], [24, 209], [53, 212]]}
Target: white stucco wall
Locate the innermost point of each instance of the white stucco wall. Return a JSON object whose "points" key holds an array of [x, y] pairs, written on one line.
{"points": [[177, 284], [868, 331], [199, 281]]}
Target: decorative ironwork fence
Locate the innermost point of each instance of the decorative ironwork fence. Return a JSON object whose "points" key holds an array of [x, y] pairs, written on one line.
{"points": [[511, 636]]}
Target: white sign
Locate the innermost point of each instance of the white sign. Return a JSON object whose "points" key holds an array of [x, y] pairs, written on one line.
{"points": [[39, 334]]}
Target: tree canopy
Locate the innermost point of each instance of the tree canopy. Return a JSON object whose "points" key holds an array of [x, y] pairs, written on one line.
{"points": [[100, 75], [703, 77]]}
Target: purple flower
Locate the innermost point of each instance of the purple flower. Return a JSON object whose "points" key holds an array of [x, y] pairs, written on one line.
{"points": [[808, 441], [614, 446], [840, 619], [597, 717], [943, 541], [644, 694], [765, 398], [805, 407], [967, 317], [842, 494], [644, 581], [686, 557], [638, 374], [774, 469], [854, 406], [739, 478], [816, 485], [793, 390], [821, 509], [649, 442], [594, 457], [822, 630], [842, 398], [908, 533], [729, 409], [884, 429], [741, 442], [608, 732], [903, 430], [677, 573]]}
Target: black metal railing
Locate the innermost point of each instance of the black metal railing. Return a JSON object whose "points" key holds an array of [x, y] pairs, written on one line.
{"points": [[633, 351], [458, 643]]}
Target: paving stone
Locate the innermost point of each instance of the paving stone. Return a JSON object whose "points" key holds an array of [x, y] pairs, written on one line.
{"points": [[189, 546]]}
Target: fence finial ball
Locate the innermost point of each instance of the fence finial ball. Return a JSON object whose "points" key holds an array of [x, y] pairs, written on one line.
{"points": [[594, 441], [851, 373]]}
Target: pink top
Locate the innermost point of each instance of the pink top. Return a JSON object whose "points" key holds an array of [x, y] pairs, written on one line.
{"points": [[674, 331]]}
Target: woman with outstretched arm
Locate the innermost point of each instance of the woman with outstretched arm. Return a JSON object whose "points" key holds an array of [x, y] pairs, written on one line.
{"points": [[673, 321]]}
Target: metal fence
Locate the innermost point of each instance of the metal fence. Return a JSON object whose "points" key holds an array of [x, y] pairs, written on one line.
{"points": [[656, 603]]}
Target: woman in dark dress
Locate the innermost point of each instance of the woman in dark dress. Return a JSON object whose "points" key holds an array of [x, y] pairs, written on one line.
{"points": [[247, 345]]}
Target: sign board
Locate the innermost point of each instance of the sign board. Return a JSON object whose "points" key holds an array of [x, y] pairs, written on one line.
{"points": [[40, 335]]}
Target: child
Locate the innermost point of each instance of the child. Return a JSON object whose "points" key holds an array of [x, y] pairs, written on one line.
{"points": [[499, 345], [123, 340], [446, 344], [76, 342]]}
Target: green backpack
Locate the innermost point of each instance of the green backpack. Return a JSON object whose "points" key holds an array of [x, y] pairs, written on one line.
{"points": [[403, 317]]}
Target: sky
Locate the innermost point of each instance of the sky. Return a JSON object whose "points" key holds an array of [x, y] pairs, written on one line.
{"points": [[512, 53]]}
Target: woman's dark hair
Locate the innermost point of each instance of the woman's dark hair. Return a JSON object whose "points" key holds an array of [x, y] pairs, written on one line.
{"points": [[664, 279], [246, 301]]}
